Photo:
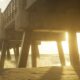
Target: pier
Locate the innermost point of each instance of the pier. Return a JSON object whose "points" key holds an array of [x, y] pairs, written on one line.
{"points": [[28, 22]]}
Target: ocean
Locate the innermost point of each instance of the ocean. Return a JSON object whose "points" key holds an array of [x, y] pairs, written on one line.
{"points": [[42, 61]]}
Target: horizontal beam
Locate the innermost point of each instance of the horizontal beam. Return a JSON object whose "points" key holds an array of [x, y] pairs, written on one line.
{"points": [[48, 36]]}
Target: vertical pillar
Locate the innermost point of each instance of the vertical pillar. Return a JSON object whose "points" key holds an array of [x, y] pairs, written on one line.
{"points": [[8, 54], [23, 58], [3, 54], [61, 54], [35, 53], [16, 53], [8, 50], [73, 49]]}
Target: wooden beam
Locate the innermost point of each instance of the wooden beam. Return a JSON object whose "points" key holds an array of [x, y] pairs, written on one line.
{"points": [[73, 49], [14, 43], [61, 54], [23, 58], [48, 36]]}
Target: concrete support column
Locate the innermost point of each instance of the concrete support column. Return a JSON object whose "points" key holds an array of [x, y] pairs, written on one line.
{"points": [[73, 49]]}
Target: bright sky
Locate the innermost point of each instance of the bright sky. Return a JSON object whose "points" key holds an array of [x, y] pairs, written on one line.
{"points": [[3, 4]]}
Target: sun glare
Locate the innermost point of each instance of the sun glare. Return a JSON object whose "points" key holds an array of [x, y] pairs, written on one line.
{"points": [[65, 45], [51, 47], [1, 0], [48, 47], [78, 42]]}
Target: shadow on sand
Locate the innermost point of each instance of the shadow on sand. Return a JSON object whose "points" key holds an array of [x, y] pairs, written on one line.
{"points": [[55, 73]]}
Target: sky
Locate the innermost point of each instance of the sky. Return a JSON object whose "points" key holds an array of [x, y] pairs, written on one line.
{"points": [[3, 4]]}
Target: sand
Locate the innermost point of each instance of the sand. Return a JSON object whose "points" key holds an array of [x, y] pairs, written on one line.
{"points": [[44, 73]]}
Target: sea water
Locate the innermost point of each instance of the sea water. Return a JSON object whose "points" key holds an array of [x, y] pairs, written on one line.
{"points": [[42, 61]]}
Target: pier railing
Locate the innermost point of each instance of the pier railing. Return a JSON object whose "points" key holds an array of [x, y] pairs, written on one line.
{"points": [[9, 13]]}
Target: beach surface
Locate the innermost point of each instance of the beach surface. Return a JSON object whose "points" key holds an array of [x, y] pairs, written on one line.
{"points": [[42, 73], [48, 68]]}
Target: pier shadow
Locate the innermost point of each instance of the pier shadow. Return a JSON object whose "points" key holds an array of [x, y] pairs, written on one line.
{"points": [[54, 73], [77, 70]]}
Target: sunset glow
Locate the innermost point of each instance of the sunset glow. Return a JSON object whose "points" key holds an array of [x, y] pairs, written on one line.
{"points": [[51, 47], [78, 41]]}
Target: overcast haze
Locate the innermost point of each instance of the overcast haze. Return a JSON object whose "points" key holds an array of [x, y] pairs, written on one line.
{"points": [[3, 4]]}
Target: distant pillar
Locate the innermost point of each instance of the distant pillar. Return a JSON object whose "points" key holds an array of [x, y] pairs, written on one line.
{"points": [[34, 53], [8, 54], [61, 54], [73, 49], [16, 53]]}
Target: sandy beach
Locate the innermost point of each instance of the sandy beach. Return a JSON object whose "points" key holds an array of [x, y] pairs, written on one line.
{"points": [[45, 73]]}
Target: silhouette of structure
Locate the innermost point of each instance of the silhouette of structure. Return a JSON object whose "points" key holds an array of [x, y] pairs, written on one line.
{"points": [[38, 20]]}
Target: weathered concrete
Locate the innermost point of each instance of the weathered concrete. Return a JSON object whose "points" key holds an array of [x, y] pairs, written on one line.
{"points": [[55, 14]]}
